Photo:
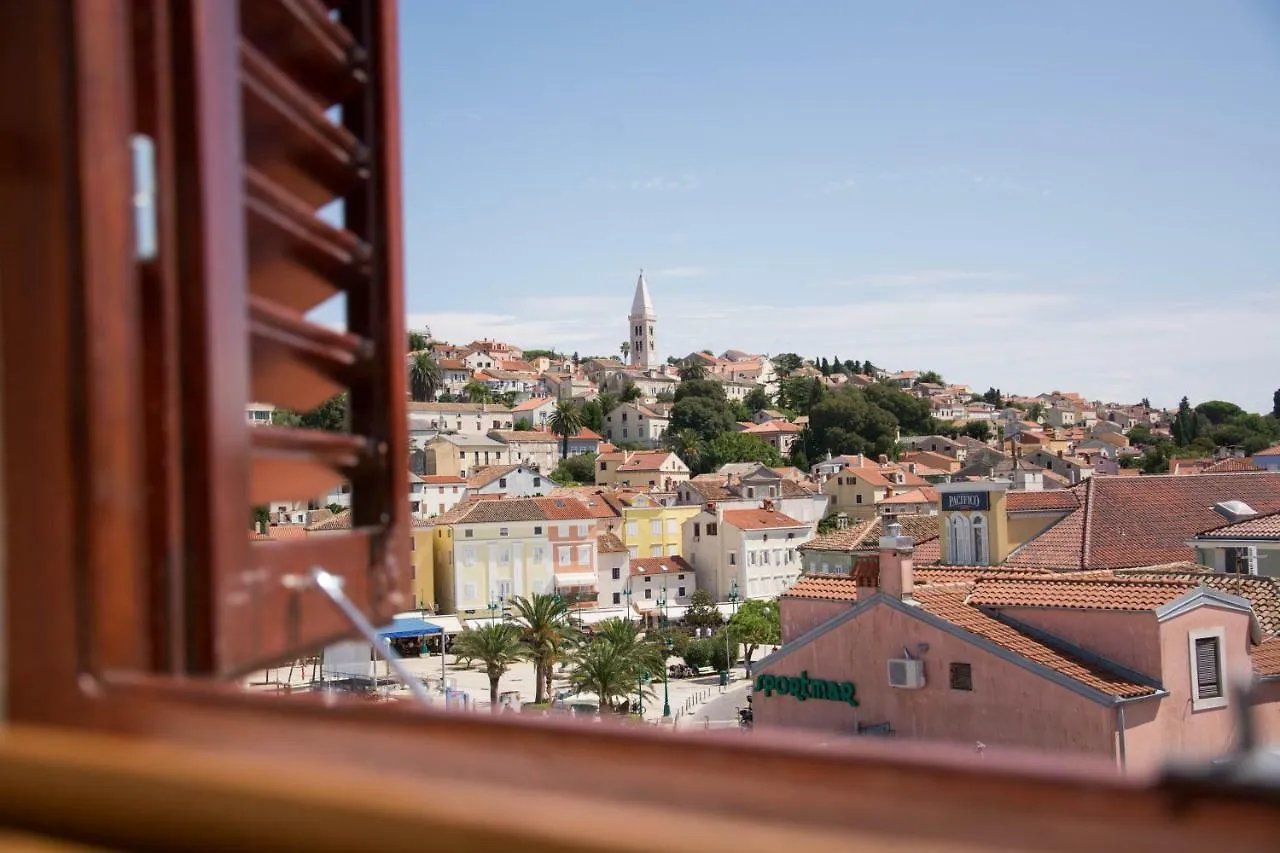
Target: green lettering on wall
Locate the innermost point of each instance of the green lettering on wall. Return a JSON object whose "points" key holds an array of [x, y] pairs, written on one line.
{"points": [[801, 687]]}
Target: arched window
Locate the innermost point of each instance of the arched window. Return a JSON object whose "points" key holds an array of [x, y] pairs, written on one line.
{"points": [[980, 543], [959, 541]]}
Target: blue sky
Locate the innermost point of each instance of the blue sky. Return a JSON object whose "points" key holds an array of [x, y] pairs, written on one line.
{"points": [[1084, 196]]}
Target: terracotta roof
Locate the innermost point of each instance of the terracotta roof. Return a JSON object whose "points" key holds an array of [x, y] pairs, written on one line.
{"points": [[1263, 593], [950, 605], [927, 576], [928, 553], [1266, 658], [476, 408], [1126, 522], [451, 364], [440, 479], [562, 509], [645, 460], [848, 538], [1273, 450], [1101, 594], [1262, 527], [759, 519], [1189, 466], [830, 587], [532, 403], [609, 543], [523, 436], [486, 475], [660, 565], [341, 521], [1062, 500], [865, 536], [797, 489], [711, 487], [1231, 464], [912, 496], [519, 509]]}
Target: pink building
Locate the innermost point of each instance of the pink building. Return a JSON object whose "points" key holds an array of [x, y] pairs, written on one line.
{"points": [[1133, 668]]}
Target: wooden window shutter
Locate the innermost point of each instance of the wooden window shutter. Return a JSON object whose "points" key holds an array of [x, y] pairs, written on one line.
{"points": [[264, 113], [1208, 677]]}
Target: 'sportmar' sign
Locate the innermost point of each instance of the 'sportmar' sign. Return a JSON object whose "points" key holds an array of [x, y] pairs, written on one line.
{"points": [[963, 501], [803, 687]]}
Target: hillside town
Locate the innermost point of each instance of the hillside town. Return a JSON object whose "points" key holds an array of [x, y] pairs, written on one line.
{"points": [[1087, 554]]}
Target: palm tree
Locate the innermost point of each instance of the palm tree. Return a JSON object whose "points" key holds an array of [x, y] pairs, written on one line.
{"points": [[648, 655], [687, 444], [497, 646], [419, 341], [565, 421], [543, 622], [626, 350], [605, 669], [478, 392], [691, 370], [424, 377]]}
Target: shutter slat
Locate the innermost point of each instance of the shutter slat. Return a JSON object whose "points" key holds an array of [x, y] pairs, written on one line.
{"points": [[296, 258], [295, 363], [300, 464], [1208, 683], [319, 54], [290, 140]]}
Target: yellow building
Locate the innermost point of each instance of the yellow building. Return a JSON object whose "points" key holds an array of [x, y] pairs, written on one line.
{"points": [[974, 526], [422, 560], [488, 550], [650, 529], [856, 491]]}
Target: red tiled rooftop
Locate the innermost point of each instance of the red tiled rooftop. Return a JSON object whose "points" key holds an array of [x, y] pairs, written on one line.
{"points": [[1258, 527], [1042, 501], [950, 605], [759, 519], [1266, 658], [673, 564], [1126, 522], [609, 543], [1077, 594], [1231, 464], [830, 587], [563, 509]]}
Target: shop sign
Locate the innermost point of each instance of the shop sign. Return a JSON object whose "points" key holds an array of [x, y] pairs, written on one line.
{"points": [[803, 687], [965, 501]]}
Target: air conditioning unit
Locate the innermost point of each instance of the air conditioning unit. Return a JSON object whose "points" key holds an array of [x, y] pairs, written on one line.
{"points": [[906, 673]]}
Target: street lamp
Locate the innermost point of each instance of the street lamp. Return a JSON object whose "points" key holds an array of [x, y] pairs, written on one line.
{"points": [[666, 696], [666, 693], [733, 605]]}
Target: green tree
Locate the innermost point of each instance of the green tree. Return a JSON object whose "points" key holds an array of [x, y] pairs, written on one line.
{"points": [[565, 421], [625, 349], [739, 447], [543, 621], [1218, 411], [1275, 405], [1154, 460], [532, 355], [700, 405], [418, 341], [523, 425], [605, 669], [691, 370], [723, 654], [797, 457], [911, 412], [993, 396], [508, 399], [580, 468], [497, 646], [329, 416], [697, 654], [702, 612], [630, 393], [757, 399], [424, 377], [980, 430], [845, 422], [478, 392], [755, 624], [688, 445], [932, 377], [261, 516], [592, 415], [1035, 411], [787, 363], [648, 654]]}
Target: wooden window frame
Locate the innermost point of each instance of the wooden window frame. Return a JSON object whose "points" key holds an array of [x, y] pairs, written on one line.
{"points": [[86, 650]]}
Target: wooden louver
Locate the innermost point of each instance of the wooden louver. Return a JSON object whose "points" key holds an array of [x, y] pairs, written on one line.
{"points": [[277, 109]]}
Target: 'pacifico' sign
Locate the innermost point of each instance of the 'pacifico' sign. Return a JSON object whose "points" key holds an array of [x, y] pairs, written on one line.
{"points": [[803, 687]]}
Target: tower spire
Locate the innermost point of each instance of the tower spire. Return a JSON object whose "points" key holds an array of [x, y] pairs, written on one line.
{"points": [[642, 322]]}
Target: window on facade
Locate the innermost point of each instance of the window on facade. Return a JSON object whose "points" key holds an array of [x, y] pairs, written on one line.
{"points": [[1208, 689], [469, 591], [712, 528], [733, 558], [648, 592], [584, 554], [857, 499], [680, 592], [617, 598], [537, 530], [697, 530], [468, 534], [655, 550], [502, 482], [616, 574], [537, 482], [655, 527], [502, 531], [979, 540], [562, 555], [961, 676]]}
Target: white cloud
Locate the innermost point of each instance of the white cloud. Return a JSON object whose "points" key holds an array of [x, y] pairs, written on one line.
{"points": [[677, 272], [686, 182], [921, 278], [1020, 341]]}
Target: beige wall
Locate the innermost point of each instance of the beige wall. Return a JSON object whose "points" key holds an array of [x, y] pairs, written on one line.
{"points": [[1009, 706], [1025, 526]]}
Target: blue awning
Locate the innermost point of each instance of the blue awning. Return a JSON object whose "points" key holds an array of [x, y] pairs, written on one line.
{"points": [[410, 628]]}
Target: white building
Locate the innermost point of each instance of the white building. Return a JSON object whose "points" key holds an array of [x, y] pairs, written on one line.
{"points": [[435, 494], [755, 547], [636, 423], [474, 419], [516, 481]]}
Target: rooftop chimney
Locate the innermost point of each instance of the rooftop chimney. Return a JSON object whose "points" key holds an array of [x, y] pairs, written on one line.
{"points": [[897, 575], [884, 460]]}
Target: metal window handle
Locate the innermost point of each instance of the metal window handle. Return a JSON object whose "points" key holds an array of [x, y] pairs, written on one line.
{"points": [[331, 585]]}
